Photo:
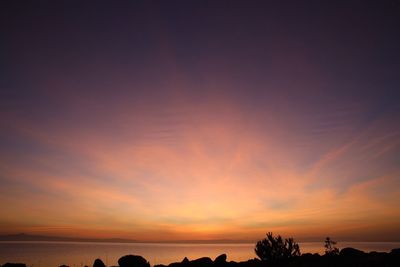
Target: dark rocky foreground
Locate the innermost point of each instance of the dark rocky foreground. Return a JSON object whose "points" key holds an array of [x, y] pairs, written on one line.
{"points": [[347, 257]]}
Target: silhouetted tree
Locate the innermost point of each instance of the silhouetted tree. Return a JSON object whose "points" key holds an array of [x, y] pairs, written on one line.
{"points": [[273, 248], [330, 248]]}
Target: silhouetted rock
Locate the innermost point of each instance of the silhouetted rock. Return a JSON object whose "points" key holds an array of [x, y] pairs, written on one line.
{"points": [[64, 265], [133, 261], [98, 263], [307, 256], [8, 264], [220, 260], [377, 254], [251, 263], [176, 264], [395, 251], [349, 258], [395, 256], [307, 259], [200, 262], [184, 263], [351, 252], [232, 264]]}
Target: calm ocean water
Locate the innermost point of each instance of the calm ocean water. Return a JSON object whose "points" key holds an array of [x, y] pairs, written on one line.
{"points": [[79, 254]]}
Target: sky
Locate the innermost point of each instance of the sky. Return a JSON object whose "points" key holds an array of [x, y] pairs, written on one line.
{"points": [[200, 120]]}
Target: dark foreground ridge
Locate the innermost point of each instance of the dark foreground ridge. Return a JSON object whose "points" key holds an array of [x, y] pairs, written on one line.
{"points": [[347, 257]]}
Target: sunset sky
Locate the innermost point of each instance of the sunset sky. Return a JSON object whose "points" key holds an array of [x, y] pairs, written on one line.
{"points": [[197, 120]]}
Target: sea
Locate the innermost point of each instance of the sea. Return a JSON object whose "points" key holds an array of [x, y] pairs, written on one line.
{"points": [[80, 254]]}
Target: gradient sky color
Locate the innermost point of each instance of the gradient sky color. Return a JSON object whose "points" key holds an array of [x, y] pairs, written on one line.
{"points": [[182, 120]]}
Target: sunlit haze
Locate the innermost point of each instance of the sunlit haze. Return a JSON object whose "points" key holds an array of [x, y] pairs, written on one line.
{"points": [[200, 121]]}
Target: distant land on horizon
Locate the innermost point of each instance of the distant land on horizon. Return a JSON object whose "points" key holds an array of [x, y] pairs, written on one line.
{"points": [[50, 238], [29, 237]]}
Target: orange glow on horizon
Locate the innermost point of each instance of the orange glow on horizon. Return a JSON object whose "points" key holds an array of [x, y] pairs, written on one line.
{"points": [[217, 181]]}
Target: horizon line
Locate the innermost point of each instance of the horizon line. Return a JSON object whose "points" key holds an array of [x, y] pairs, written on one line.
{"points": [[53, 238]]}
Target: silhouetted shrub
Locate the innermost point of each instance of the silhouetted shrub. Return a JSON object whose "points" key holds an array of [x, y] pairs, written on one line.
{"points": [[330, 248], [273, 248]]}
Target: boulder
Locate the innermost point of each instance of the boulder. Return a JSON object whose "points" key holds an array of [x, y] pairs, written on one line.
{"points": [[133, 261], [376, 253], [98, 263], [175, 264], [351, 252], [251, 263], [201, 262], [309, 259], [220, 260], [307, 256], [395, 251], [8, 264]]}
